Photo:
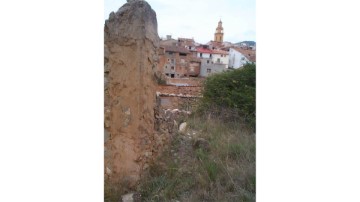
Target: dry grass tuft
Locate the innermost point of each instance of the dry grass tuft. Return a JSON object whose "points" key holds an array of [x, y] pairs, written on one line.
{"points": [[224, 172]]}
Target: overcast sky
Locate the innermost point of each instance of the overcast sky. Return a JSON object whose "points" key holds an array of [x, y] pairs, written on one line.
{"points": [[198, 18]]}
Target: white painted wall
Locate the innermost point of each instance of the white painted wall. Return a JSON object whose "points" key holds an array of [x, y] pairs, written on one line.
{"points": [[236, 59], [223, 60], [204, 55]]}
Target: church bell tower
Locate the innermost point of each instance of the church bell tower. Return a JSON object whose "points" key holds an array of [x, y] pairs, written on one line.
{"points": [[219, 33]]}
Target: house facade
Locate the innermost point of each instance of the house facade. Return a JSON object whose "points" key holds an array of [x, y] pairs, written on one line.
{"points": [[203, 52], [174, 61], [239, 56], [189, 44], [212, 61], [220, 57], [208, 67]]}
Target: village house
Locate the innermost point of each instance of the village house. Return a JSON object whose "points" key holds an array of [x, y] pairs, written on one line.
{"points": [[212, 61], [168, 41], [204, 52], [220, 57], [239, 56], [189, 44], [208, 67], [174, 61]]}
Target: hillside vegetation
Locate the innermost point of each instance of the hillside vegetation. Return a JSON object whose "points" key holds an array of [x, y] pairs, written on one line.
{"points": [[214, 158], [231, 95], [211, 161]]}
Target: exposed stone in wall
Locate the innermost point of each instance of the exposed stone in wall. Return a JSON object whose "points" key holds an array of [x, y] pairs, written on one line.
{"points": [[131, 45], [167, 124], [185, 90], [178, 102], [189, 81]]}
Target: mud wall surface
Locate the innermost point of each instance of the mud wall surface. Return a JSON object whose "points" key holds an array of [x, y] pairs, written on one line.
{"points": [[131, 45]]}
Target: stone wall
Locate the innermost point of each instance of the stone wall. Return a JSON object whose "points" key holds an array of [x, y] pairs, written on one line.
{"points": [[184, 90], [176, 102], [189, 81]]}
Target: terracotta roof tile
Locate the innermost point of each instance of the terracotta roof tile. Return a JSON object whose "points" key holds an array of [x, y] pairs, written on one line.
{"points": [[220, 52], [177, 49], [203, 50]]}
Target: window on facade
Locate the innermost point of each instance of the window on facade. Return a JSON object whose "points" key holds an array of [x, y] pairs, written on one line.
{"points": [[167, 74], [208, 61], [200, 54], [218, 60], [172, 67], [172, 75], [208, 70], [210, 55], [168, 60], [182, 54]]}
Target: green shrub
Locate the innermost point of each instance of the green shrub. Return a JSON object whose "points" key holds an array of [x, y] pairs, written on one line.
{"points": [[231, 94]]}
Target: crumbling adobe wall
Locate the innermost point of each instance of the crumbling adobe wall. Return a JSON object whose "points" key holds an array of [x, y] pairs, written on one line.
{"points": [[185, 90], [131, 45]]}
